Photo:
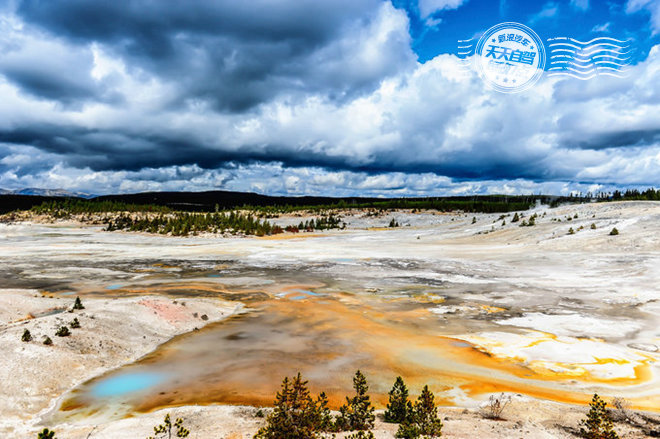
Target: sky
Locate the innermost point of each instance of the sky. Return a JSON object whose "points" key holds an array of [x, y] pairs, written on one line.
{"points": [[316, 97]]}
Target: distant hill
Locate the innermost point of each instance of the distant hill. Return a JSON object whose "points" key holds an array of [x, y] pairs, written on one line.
{"points": [[45, 193], [206, 201]]}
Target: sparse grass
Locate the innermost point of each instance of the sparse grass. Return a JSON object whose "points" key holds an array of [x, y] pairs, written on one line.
{"points": [[495, 406]]}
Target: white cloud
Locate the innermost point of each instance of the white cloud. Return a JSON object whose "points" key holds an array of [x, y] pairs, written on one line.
{"points": [[605, 27], [652, 6], [549, 10], [580, 4], [428, 7], [420, 129]]}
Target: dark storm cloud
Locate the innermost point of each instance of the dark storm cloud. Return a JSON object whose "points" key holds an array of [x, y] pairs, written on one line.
{"points": [[233, 55], [139, 93]]}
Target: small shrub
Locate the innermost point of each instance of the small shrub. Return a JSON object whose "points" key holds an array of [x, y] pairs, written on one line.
{"points": [[78, 304], [496, 405], [165, 429], [515, 218], [26, 337], [63, 331], [593, 226], [621, 409], [47, 340], [75, 324], [571, 231], [259, 413], [46, 434], [614, 232], [474, 220], [597, 424], [361, 435]]}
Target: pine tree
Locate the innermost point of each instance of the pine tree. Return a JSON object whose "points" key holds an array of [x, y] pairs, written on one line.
{"points": [[357, 413], [78, 304], [165, 429], [423, 420], [614, 232], [296, 414], [426, 415], [75, 323], [598, 424], [46, 434], [26, 336], [399, 407]]}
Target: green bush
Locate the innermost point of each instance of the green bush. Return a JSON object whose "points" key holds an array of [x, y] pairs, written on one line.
{"points": [[75, 323], [614, 232], [571, 231], [597, 424], [26, 337], [63, 331], [47, 340]]}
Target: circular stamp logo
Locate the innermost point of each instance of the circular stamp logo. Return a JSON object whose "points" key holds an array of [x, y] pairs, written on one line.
{"points": [[510, 57]]}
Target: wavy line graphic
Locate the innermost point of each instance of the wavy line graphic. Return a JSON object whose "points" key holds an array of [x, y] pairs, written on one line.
{"points": [[587, 59]]}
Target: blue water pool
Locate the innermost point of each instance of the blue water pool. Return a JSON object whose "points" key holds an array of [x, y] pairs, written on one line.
{"points": [[113, 287], [126, 383]]}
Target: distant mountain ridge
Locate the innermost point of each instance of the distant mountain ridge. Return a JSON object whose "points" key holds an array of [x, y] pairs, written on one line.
{"points": [[209, 201], [46, 192]]}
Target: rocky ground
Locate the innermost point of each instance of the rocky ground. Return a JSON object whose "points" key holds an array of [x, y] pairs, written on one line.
{"points": [[585, 304], [113, 332]]}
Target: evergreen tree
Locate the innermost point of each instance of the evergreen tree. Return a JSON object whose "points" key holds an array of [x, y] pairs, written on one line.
{"points": [[423, 420], [26, 336], [399, 407], [426, 415], [357, 413], [614, 232], [598, 424], [296, 414], [164, 430], [46, 434], [78, 304]]}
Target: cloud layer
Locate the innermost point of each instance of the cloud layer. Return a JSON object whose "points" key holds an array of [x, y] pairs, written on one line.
{"points": [[301, 97]]}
